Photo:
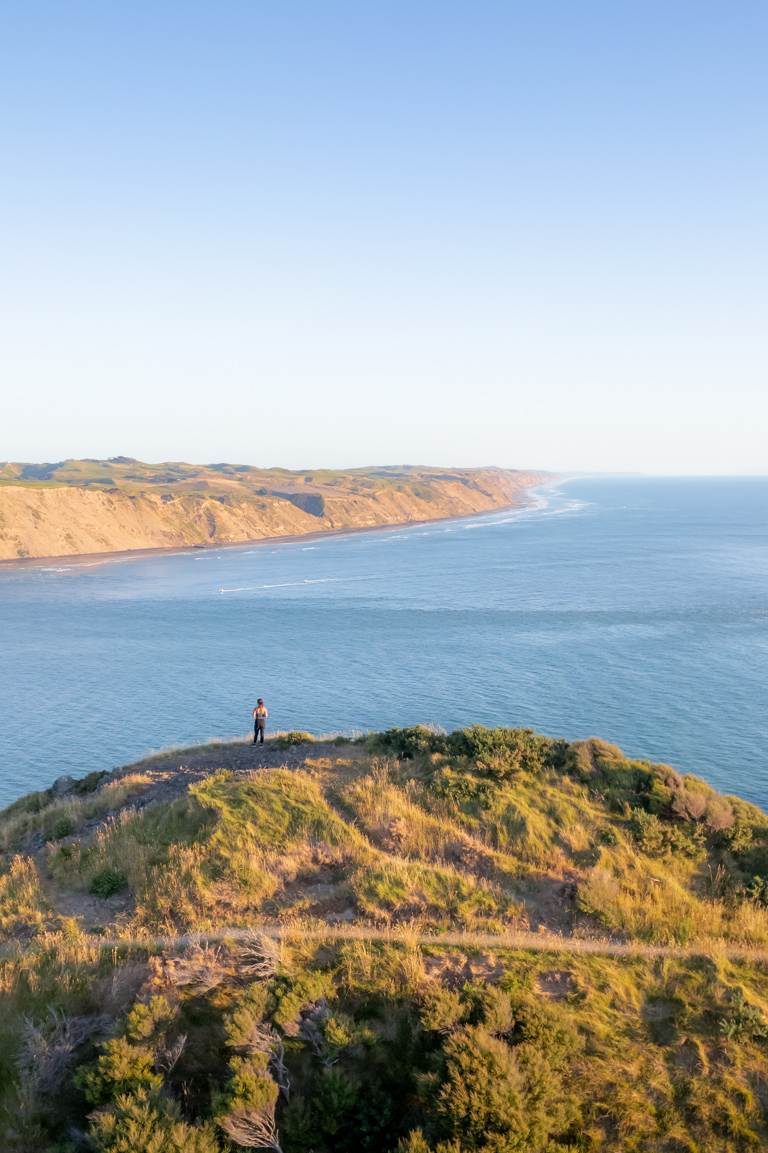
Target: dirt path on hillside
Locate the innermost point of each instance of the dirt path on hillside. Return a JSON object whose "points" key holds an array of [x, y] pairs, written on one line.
{"points": [[174, 771], [516, 940]]}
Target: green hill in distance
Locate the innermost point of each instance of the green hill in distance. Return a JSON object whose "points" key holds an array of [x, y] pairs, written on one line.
{"points": [[409, 942], [73, 507]]}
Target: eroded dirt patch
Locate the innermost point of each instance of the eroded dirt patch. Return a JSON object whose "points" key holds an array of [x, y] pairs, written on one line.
{"points": [[556, 985]]}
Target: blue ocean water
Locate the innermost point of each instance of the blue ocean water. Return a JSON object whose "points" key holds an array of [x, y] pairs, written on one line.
{"points": [[635, 609]]}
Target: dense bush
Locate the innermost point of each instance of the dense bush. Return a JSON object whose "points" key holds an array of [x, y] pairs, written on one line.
{"points": [[498, 752], [108, 881], [90, 782], [288, 740], [63, 826], [757, 890], [121, 1068], [657, 837], [462, 788], [144, 1122], [409, 743], [738, 839], [291, 995], [503, 752], [497, 1097]]}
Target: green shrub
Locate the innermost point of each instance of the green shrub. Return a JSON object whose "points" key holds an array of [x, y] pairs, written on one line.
{"points": [[245, 1019], [489, 1006], [292, 994], [757, 890], [648, 832], [409, 743], [295, 737], [503, 752], [335, 1095], [248, 1101], [656, 837], [743, 1020], [63, 826], [120, 1068], [251, 1084], [141, 1122], [499, 752], [463, 788], [442, 1010], [413, 1143], [89, 783], [147, 1019], [498, 1096], [739, 838], [107, 882], [537, 1022], [298, 1128]]}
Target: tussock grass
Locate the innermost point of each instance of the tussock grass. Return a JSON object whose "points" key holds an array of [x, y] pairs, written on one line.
{"points": [[22, 905], [392, 815], [392, 970], [132, 841], [61, 818], [649, 907]]}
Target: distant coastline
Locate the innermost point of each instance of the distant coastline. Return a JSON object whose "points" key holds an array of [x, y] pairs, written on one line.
{"points": [[116, 556], [141, 510]]}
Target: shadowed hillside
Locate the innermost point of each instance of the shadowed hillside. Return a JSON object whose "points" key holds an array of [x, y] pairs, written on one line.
{"points": [[93, 506], [408, 943]]}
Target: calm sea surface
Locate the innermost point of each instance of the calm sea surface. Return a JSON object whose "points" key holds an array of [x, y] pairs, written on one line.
{"points": [[632, 609]]}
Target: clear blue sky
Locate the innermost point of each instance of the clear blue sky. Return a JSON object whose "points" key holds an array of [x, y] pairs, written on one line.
{"points": [[328, 233]]}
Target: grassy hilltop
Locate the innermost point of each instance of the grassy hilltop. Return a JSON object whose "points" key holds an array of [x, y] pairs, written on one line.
{"points": [[92, 506], [411, 943]]}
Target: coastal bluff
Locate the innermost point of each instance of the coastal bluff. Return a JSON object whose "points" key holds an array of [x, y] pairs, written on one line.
{"points": [[76, 507], [282, 947]]}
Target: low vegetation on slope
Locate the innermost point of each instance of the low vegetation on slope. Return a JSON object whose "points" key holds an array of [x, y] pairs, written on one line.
{"points": [[118, 1037], [125, 474]]}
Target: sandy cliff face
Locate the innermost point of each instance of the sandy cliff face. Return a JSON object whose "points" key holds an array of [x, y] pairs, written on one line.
{"points": [[64, 520]]}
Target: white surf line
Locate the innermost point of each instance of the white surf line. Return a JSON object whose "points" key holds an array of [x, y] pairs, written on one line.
{"points": [[299, 584]]}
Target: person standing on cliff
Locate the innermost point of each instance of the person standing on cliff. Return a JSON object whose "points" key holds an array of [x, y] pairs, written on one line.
{"points": [[260, 714]]}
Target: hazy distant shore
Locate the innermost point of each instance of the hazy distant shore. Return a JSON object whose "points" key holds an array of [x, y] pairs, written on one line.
{"points": [[116, 556], [121, 508]]}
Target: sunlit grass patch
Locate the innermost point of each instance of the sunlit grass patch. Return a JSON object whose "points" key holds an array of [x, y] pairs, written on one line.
{"points": [[271, 810], [394, 818], [22, 905], [648, 905], [541, 821], [396, 889]]}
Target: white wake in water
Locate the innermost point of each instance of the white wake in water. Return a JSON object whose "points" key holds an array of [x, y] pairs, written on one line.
{"points": [[299, 584]]}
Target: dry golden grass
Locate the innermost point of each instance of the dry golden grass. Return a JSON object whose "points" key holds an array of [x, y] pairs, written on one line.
{"points": [[22, 905]]}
